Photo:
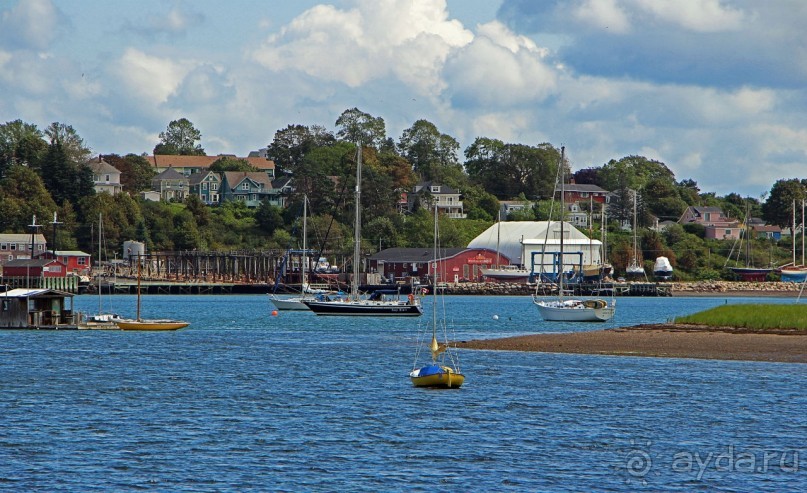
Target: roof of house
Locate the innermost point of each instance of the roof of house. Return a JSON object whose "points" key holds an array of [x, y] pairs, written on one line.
{"points": [[102, 167], [426, 185], [170, 174], [21, 237], [173, 161], [27, 262], [234, 178], [767, 228], [32, 293], [416, 255], [197, 178], [582, 187]]}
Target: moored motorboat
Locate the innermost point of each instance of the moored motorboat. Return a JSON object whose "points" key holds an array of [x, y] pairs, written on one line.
{"points": [[662, 269], [794, 273]]}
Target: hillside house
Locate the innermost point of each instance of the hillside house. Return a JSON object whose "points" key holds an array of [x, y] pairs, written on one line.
{"points": [[717, 225], [105, 177], [171, 185], [206, 185], [190, 165], [249, 187], [449, 201], [583, 193]]}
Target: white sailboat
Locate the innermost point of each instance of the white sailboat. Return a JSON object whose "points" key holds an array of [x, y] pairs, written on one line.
{"points": [[296, 302], [376, 305], [562, 309], [443, 369]]}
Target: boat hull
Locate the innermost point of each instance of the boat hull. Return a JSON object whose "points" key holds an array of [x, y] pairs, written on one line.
{"points": [[364, 308], [794, 275], [439, 377], [575, 311], [152, 325], [506, 275], [751, 274], [289, 303]]}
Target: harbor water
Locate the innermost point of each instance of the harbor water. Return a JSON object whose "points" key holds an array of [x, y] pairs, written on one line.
{"points": [[246, 401]]}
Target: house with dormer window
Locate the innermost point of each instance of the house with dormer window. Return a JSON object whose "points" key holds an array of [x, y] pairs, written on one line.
{"points": [[105, 177], [449, 200], [249, 187]]}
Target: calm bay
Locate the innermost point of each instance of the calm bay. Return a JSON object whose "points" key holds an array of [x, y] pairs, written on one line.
{"points": [[246, 401]]}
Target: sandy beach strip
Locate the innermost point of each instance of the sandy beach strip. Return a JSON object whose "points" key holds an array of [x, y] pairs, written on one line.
{"points": [[663, 340]]}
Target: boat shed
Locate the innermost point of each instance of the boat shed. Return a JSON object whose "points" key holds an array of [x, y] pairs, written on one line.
{"points": [[458, 264], [37, 309], [517, 240]]}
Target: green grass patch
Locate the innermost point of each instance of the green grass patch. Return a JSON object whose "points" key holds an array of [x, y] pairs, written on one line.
{"points": [[751, 316]]}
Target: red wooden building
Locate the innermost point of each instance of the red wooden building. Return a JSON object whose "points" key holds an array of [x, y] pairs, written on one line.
{"points": [[453, 264]]}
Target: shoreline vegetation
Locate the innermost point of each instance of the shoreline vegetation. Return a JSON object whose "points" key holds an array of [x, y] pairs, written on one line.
{"points": [[753, 332]]}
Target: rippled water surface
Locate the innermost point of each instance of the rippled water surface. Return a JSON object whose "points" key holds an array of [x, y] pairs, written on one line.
{"points": [[244, 401]]}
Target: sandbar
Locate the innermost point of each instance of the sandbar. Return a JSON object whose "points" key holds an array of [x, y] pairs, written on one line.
{"points": [[663, 340]]}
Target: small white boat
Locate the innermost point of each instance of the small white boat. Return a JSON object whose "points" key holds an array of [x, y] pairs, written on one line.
{"points": [[662, 269]]}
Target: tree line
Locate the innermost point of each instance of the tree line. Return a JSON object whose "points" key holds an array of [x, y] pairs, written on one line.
{"points": [[42, 172]]}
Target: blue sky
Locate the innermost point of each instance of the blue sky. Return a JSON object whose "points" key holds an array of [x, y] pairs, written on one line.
{"points": [[715, 89]]}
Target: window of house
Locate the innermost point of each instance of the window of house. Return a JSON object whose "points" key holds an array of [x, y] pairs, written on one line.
{"points": [[81, 260], [204, 186], [435, 189], [214, 186], [4, 246], [214, 197], [107, 178], [584, 194], [245, 186], [13, 246]]}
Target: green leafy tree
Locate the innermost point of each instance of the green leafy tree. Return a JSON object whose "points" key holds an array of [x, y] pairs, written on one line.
{"points": [[268, 217], [23, 196], [778, 208], [227, 163], [20, 143], [75, 150], [507, 170], [136, 172], [186, 232], [291, 145], [180, 138], [65, 179], [357, 126], [433, 155]]}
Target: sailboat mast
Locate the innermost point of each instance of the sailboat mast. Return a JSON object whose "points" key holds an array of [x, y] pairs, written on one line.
{"points": [[138, 288], [100, 297], [354, 287], [305, 244], [802, 231], [434, 346], [562, 213]]}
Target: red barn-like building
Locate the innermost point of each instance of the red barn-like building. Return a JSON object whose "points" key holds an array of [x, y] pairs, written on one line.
{"points": [[454, 264]]}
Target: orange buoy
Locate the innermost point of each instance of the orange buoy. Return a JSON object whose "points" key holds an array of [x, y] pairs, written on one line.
{"points": [[274, 313]]}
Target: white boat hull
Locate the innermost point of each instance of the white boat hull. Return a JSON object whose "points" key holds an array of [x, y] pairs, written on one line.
{"points": [[575, 311], [794, 274], [506, 274], [289, 303]]}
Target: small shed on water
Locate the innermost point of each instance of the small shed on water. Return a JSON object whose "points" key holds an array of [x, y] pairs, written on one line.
{"points": [[37, 309]]}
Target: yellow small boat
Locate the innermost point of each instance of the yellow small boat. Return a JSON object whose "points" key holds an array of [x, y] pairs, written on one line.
{"points": [[443, 372], [152, 324]]}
